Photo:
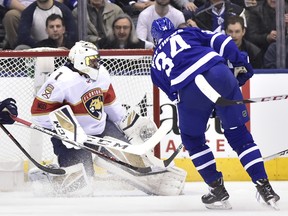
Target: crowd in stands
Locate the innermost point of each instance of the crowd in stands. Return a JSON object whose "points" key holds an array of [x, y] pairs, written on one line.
{"points": [[126, 24]]}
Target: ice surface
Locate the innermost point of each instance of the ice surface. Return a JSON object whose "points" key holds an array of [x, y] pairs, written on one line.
{"points": [[116, 198]]}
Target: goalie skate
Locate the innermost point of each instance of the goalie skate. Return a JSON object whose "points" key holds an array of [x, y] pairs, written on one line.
{"points": [[217, 198]]}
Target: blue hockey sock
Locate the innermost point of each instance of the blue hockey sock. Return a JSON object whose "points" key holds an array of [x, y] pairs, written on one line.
{"points": [[252, 161], [204, 162]]}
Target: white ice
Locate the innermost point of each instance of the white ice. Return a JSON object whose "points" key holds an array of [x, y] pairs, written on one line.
{"points": [[116, 198]]}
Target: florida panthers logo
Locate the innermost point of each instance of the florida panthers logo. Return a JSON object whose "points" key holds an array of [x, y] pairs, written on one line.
{"points": [[93, 101]]}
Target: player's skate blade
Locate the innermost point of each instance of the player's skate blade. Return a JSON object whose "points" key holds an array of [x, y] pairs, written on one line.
{"points": [[217, 198], [220, 205], [273, 204]]}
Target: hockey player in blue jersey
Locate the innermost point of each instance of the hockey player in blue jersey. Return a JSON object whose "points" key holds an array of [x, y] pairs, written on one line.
{"points": [[179, 56], [7, 107]]}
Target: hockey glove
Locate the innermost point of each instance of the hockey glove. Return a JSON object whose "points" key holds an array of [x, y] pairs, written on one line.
{"points": [[8, 107], [137, 128], [243, 77], [244, 71]]}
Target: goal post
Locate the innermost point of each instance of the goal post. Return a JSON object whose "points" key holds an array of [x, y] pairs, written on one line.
{"points": [[23, 72]]}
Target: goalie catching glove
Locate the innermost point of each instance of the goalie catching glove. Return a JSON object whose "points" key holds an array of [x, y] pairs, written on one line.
{"points": [[137, 128]]}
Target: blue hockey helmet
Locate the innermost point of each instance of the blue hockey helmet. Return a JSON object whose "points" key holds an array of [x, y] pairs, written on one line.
{"points": [[160, 27]]}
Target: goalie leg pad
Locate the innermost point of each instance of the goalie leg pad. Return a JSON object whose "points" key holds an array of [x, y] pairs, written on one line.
{"points": [[169, 183], [73, 184], [166, 182]]}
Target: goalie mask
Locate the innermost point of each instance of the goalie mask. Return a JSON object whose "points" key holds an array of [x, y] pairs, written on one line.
{"points": [[160, 27], [85, 57]]}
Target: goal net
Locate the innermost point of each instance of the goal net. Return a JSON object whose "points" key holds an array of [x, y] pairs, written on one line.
{"points": [[22, 74]]}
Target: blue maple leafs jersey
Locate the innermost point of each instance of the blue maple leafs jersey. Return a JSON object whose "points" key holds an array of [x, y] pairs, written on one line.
{"points": [[185, 53]]}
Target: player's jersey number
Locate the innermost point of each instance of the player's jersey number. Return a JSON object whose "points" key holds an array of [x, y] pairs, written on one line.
{"points": [[177, 45]]}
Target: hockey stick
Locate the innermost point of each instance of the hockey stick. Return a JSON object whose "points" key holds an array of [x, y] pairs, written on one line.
{"points": [[80, 145], [66, 124], [168, 161], [216, 98], [44, 168], [224, 102], [92, 150], [175, 153], [276, 155]]}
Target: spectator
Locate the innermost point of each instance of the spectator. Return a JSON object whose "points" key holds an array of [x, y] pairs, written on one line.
{"points": [[270, 56], [101, 15], [123, 36], [160, 9], [55, 29], [133, 8], [70, 3], [184, 4], [236, 29], [262, 24], [32, 23], [214, 13], [245, 3], [11, 20]]}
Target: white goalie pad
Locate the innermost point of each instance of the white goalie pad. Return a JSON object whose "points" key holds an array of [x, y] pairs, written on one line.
{"points": [[165, 182], [169, 183], [73, 184], [137, 128]]}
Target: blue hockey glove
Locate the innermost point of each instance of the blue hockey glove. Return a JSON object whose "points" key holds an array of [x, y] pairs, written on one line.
{"points": [[8, 107], [245, 71]]}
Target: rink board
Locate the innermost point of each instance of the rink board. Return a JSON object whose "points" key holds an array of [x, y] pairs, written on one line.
{"points": [[232, 170]]}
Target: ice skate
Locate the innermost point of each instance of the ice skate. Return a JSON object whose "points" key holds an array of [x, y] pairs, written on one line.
{"points": [[266, 194], [218, 197]]}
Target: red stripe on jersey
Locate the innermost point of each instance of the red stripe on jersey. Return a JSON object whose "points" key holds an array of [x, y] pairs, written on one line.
{"points": [[43, 107], [109, 96]]}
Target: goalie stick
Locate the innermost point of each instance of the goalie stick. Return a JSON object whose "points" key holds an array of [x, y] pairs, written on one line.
{"points": [[216, 98], [92, 150], [68, 121], [66, 124], [55, 171]]}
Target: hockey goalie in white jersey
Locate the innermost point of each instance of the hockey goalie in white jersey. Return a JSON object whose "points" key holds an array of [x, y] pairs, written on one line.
{"points": [[84, 84]]}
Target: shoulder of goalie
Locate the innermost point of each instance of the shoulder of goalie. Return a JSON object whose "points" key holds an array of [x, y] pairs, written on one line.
{"points": [[137, 128], [74, 183]]}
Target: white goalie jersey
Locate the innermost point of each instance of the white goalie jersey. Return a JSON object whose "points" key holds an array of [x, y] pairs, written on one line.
{"points": [[90, 100]]}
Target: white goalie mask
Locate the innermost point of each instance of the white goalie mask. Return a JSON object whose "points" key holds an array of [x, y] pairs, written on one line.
{"points": [[85, 57]]}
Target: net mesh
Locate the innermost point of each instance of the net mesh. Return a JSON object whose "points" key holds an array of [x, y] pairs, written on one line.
{"points": [[22, 73]]}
